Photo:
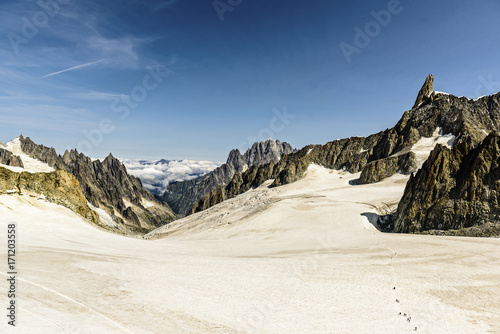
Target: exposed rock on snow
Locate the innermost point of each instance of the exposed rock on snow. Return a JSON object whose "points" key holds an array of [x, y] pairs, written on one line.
{"points": [[376, 171], [8, 159], [456, 189], [105, 218], [425, 145]]}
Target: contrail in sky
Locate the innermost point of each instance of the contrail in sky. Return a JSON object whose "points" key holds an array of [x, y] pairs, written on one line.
{"points": [[72, 68]]}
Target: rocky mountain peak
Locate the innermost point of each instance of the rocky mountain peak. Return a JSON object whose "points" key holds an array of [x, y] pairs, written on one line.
{"points": [[110, 160], [234, 159], [259, 153], [263, 152], [456, 188], [426, 91], [66, 157], [108, 186], [182, 195]]}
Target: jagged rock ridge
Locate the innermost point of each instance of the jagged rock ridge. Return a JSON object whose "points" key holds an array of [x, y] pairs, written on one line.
{"points": [[182, 195], [382, 154], [351, 154], [107, 185]]}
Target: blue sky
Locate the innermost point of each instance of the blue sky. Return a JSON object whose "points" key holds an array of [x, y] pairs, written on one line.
{"points": [[170, 79]]}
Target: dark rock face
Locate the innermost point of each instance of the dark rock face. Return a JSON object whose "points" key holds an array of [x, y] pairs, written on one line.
{"points": [[41, 153], [426, 91], [58, 187], [107, 185], [240, 183], [480, 231], [182, 195], [380, 169], [466, 119], [9, 159], [456, 189]]}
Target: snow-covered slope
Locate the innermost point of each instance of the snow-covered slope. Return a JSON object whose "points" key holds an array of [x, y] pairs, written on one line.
{"points": [[156, 175], [30, 165], [425, 145], [301, 258]]}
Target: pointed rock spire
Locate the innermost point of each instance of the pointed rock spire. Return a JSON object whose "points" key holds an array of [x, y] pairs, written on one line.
{"points": [[109, 158], [425, 91], [67, 157]]}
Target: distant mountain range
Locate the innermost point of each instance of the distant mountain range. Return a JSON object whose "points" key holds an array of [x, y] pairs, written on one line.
{"points": [[180, 183], [448, 146], [112, 193], [101, 191]]}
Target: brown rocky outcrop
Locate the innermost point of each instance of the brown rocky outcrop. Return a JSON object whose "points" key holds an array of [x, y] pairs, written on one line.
{"points": [[59, 187]]}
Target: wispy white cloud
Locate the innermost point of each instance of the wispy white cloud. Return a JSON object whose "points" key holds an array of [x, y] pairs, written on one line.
{"points": [[164, 4], [22, 97], [122, 51], [98, 96], [46, 117], [73, 68]]}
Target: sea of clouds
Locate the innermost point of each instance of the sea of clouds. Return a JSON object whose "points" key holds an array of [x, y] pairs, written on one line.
{"points": [[157, 175]]}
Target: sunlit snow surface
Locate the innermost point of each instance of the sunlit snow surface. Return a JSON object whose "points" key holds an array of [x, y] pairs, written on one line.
{"points": [[425, 145], [301, 258]]}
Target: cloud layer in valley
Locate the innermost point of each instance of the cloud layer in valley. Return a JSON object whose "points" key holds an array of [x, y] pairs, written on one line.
{"points": [[156, 175]]}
